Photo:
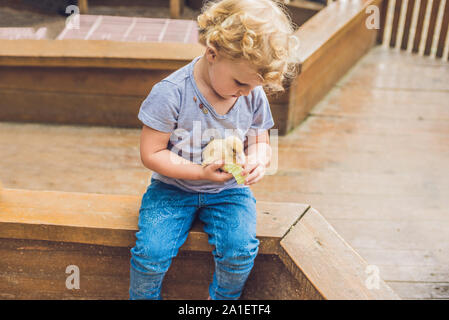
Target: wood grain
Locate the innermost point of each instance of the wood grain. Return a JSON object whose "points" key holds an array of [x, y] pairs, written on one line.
{"points": [[328, 261], [419, 25], [407, 24], [444, 31], [97, 53], [432, 24]]}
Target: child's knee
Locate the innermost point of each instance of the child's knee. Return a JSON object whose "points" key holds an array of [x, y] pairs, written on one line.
{"points": [[151, 258], [239, 250]]}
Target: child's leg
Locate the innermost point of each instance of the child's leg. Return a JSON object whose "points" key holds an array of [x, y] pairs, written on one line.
{"points": [[230, 218], [165, 217]]}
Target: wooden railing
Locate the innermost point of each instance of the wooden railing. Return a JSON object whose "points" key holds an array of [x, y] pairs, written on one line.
{"points": [[418, 26]]}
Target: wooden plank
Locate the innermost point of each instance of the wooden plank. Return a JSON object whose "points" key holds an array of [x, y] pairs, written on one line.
{"points": [[395, 234], [98, 96], [71, 158], [34, 269], [111, 220], [328, 26], [413, 290], [23, 33], [432, 24], [300, 11], [419, 25], [368, 143], [105, 81], [329, 162], [366, 207], [360, 183], [331, 46], [407, 24], [52, 107], [383, 19], [176, 8], [395, 23], [396, 71], [406, 265], [376, 103], [444, 31], [83, 6], [334, 268], [414, 274], [369, 126], [97, 53], [399, 57], [119, 28]]}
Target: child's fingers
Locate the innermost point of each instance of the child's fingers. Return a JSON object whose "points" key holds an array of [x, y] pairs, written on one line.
{"points": [[255, 176], [248, 168], [224, 176], [216, 165]]}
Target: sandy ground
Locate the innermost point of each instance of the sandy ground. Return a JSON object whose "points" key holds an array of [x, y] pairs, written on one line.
{"points": [[18, 14]]}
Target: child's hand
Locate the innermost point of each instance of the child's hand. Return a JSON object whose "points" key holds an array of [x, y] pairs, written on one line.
{"points": [[211, 172], [253, 171]]}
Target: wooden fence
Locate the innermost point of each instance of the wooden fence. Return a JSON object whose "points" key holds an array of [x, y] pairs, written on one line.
{"points": [[418, 26]]}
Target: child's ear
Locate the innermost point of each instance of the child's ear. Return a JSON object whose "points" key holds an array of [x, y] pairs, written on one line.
{"points": [[211, 54]]}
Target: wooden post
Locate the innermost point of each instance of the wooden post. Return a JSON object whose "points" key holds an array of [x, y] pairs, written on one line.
{"points": [[82, 4], [176, 8]]}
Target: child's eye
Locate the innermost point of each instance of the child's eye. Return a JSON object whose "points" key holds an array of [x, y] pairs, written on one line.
{"points": [[239, 83]]}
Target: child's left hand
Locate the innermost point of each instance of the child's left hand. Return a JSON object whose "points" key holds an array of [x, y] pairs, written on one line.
{"points": [[253, 171]]}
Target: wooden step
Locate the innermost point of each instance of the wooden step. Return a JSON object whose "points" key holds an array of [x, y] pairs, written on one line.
{"points": [[43, 232]]}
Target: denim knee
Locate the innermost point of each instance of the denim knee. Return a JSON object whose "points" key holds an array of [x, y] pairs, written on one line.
{"points": [[151, 258], [238, 251]]}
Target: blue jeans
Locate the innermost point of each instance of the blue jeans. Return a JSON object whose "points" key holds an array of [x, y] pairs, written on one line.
{"points": [[165, 218]]}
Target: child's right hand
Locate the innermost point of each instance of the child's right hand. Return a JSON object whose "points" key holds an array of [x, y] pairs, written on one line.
{"points": [[211, 172]]}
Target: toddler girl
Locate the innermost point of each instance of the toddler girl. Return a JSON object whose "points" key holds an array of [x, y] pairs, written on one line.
{"points": [[249, 48]]}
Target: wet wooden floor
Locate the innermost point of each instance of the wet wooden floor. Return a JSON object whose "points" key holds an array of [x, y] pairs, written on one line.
{"points": [[373, 158]]}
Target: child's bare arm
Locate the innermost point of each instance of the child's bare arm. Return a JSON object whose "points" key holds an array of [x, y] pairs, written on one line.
{"points": [[155, 156]]}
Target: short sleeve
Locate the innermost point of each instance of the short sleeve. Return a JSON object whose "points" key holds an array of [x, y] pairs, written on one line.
{"points": [[262, 118], [161, 107]]}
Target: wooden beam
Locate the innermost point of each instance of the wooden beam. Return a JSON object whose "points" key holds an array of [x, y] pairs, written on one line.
{"points": [[419, 25], [97, 53], [407, 24], [329, 263], [42, 232], [383, 19], [331, 42], [176, 8], [111, 220], [83, 6], [300, 10], [444, 30], [431, 27]]}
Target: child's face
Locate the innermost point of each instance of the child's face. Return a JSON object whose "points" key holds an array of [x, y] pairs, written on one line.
{"points": [[231, 78]]}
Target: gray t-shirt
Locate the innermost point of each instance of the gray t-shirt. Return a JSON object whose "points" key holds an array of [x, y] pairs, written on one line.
{"points": [[175, 105]]}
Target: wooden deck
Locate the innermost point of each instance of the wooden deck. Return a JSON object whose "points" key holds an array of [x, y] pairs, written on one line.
{"points": [[373, 158]]}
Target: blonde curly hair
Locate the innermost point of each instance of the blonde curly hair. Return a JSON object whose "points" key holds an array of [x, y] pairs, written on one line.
{"points": [[259, 31]]}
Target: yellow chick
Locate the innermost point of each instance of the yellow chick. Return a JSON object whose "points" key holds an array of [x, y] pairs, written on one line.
{"points": [[230, 150]]}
